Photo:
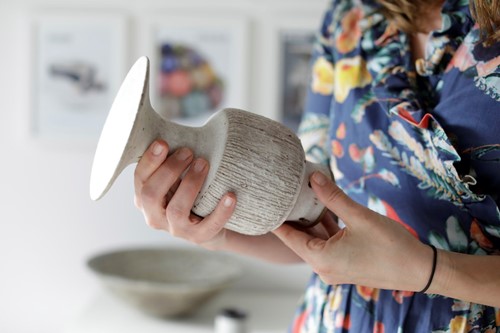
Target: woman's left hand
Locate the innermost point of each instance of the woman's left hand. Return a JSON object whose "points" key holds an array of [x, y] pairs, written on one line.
{"points": [[372, 250]]}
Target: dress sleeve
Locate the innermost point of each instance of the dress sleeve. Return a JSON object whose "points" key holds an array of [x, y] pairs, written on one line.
{"points": [[314, 127]]}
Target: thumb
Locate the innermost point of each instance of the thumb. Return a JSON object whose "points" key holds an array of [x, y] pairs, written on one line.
{"points": [[336, 200]]}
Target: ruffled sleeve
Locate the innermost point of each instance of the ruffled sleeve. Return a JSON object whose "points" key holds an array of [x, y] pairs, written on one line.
{"points": [[428, 124]]}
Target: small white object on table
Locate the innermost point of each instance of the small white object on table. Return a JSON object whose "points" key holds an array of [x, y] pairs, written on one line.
{"points": [[267, 312]]}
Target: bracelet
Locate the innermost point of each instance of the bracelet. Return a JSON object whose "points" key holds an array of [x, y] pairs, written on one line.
{"points": [[434, 263]]}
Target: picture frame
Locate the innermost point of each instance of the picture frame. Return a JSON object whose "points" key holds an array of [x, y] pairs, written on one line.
{"points": [[293, 39], [78, 65], [296, 50], [199, 65]]}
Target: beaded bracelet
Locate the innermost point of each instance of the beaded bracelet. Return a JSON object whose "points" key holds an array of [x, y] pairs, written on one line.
{"points": [[434, 262]]}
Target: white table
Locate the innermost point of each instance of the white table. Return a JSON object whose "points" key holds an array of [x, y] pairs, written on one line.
{"points": [[268, 312]]}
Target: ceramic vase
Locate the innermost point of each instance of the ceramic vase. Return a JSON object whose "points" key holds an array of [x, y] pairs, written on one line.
{"points": [[260, 160]]}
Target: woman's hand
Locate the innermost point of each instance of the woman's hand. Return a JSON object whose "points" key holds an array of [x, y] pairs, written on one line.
{"points": [[165, 190], [372, 250], [166, 199], [375, 251]]}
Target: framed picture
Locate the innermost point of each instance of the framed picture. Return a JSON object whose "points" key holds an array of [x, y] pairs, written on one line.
{"points": [[296, 47], [78, 67], [291, 43], [199, 66]]}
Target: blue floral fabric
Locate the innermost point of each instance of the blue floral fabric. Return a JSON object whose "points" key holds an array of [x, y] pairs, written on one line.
{"points": [[417, 141]]}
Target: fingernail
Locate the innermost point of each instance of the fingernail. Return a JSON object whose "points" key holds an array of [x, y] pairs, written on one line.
{"points": [[183, 154], [157, 148], [319, 178], [228, 202], [199, 165]]}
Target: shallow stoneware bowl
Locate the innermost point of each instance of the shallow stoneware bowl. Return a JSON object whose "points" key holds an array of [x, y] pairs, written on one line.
{"points": [[165, 282]]}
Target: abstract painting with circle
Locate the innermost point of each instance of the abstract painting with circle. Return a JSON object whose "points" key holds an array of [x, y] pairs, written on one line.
{"points": [[189, 84], [198, 67]]}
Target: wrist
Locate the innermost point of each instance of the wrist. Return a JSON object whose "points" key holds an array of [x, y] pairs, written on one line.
{"points": [[433, 269], [218, 243], [419, 269], [445, 269]]}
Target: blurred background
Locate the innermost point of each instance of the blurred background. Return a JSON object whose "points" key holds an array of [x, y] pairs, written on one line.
{"points": [[61, 62]]}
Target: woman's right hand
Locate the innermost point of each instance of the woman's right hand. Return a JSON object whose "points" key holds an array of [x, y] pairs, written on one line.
{"points": [[166, 199]]}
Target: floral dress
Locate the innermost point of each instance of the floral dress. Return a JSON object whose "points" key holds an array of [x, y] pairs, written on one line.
{"points": [[417, 141]]}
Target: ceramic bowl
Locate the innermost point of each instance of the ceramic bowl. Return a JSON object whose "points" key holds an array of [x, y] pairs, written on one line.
{"points": [[165, 282]]}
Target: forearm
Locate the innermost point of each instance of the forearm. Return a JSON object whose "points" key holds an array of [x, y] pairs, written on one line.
{"points": [[265, 247], [467, 277]]}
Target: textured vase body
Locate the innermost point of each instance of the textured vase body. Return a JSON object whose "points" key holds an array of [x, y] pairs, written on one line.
{"points": [[260, 160]]}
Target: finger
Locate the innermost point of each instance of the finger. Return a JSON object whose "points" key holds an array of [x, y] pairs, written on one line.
{"points": [[330, 223], [336, 200], [171, 193], [214, 223], [303, 244], [151, 160], [175, 186], [179, 214], [319, 231], [156, 187], [324, 230], [181, 204]]}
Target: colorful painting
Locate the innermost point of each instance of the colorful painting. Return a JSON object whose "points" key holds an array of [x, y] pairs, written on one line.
{"points": [[199, 68]]}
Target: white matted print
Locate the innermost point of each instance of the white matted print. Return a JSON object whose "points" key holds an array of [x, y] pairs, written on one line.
{"points": [[199, 66], [79, 64]]}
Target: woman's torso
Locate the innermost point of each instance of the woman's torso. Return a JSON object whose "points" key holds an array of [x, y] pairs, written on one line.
{"points": [[423, 149]]}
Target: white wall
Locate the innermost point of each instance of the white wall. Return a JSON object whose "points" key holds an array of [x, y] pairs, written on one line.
{"points": [[48, 225]]}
